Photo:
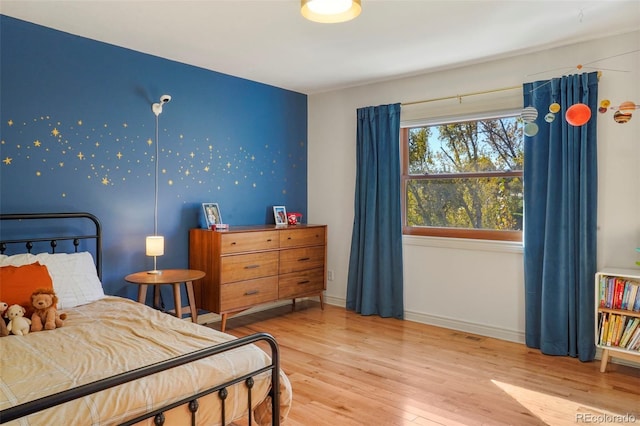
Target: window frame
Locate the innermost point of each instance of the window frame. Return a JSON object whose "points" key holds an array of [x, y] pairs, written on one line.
{"points": [[432, 231]]}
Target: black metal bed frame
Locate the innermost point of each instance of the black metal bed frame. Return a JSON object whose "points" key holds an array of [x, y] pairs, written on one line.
{"points": [[46, 402]]}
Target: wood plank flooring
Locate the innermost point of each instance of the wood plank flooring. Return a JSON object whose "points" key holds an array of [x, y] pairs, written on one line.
{"points": [[348, 369]]}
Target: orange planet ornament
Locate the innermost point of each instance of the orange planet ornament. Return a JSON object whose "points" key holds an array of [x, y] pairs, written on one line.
{"points": [[627, 107], [578, 114], [621, 118]]}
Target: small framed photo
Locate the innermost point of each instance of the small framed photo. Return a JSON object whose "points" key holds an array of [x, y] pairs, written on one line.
{"points": [[212, 214], [280, 215]]}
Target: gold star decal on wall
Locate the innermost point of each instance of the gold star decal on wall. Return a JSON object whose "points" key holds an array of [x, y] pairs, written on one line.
{"points": [[206, 169], [80, 156], [10, 122], [119, 155], [105, 181], [79, 122], [125, 125], [149, 142], [55, 132], [61, 164], [7, 161], [38, 173], [192, 155], [37, 143]]}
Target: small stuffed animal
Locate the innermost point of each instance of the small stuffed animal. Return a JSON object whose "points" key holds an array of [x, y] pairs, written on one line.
{"points": [[18, 324], [3, 325], [46, 314]]}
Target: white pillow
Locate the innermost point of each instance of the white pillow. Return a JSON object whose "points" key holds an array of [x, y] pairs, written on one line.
{"points": [[73, 275], [17, 259]]}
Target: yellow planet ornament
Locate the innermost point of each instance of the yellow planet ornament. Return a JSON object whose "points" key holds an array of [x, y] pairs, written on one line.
{"points": [[554, 107]]}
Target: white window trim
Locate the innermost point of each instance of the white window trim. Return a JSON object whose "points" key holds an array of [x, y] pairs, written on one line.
{"points": [[464, 244]]}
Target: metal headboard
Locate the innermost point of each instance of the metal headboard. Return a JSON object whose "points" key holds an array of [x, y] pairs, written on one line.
{"points": [[54, 239]]}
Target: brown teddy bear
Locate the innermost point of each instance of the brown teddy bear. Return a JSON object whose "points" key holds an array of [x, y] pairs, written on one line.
{"points": [[46, 314], [3, 325]]}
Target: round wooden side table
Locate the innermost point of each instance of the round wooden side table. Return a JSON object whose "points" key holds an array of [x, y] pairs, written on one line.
{"points": [[175, 277]]}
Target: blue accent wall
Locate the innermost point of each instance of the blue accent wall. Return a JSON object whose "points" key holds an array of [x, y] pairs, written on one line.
{"points": [[78, 134]]}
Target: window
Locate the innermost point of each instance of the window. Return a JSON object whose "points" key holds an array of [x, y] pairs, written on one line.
{"points": [[463, 179]]}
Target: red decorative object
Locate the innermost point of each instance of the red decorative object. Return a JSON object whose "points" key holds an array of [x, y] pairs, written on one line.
{"points": [[294, 218], [578, 114]]}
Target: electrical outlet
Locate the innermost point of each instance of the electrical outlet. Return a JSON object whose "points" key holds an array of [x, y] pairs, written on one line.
{"points": [[330, 275]]}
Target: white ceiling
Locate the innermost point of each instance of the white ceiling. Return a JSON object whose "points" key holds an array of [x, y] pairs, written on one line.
{"points": [[268, 40]]}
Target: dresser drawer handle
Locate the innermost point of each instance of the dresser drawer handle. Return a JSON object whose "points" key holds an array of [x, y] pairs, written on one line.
{"points": [[269, 240], [251, 292], [304, 282], [288, 238], [233, 243], [251, 266], [304, 259]]}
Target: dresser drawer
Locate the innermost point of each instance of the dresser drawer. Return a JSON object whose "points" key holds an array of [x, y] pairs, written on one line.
{"points": [[238, 242], [297, 237], [301, 283], [300, 259], [245, 294], [242, 267]]}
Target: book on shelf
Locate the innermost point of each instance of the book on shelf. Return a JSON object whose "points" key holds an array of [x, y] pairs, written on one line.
{"points": [[633, 294], [634, 341], [619, 293], [632, 324]]}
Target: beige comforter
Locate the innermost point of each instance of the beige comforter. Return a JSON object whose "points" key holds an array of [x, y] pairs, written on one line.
{"points": [[114, 335]]}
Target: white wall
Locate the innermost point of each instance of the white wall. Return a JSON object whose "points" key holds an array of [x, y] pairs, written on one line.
{"points": [[471, 285]]}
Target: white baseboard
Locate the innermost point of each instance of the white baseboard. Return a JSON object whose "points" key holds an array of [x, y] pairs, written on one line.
{"points": [[450, 323], [211, 317]]}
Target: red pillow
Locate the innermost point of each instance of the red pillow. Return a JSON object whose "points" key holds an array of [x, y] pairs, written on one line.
{"points": [[17, 283]]}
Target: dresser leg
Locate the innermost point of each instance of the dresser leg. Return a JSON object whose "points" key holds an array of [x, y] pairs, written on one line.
{"points": [[293, 305], [322, 301], [223, 322]]}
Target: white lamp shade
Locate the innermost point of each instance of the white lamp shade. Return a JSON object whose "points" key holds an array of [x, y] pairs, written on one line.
{"points": [[330, 11], [155, 245]]}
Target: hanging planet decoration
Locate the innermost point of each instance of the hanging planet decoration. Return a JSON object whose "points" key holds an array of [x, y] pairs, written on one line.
{"points": [[578, 114], [529, 114], [620, 117], [554, 107], [604, 106], [530, 129], [627, 107], [549, 117]]}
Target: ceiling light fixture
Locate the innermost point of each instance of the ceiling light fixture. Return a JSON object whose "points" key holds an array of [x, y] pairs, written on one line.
{"points": [[330, 11]]}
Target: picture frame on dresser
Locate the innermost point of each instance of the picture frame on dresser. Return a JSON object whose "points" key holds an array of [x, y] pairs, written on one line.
{"points": [[212, 214], [280, 215]]}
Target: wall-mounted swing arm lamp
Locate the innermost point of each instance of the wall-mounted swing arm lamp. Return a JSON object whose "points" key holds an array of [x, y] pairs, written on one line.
{"points": [[155, 242], [330, 11]]}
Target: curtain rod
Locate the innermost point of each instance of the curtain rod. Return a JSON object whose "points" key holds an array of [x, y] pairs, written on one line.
{"points": [[485, 92]]}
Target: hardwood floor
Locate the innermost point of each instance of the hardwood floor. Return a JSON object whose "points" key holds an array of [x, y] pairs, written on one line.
{"points": [[347, 369]]}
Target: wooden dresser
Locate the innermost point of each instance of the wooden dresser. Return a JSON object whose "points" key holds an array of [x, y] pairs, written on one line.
{"points": [[249, 265]]}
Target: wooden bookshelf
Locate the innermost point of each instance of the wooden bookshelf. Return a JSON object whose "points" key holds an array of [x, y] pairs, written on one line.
{"points": [[617, 328]]}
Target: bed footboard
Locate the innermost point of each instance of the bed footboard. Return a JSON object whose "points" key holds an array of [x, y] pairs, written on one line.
{"points": [[31, 407]]}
